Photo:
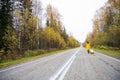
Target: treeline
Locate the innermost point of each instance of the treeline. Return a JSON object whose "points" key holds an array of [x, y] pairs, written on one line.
{"points": [[106, 26], [21, 28]]}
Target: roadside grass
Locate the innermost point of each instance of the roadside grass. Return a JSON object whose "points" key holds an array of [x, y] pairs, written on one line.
{"points": [[29, 58], [113, 53]]}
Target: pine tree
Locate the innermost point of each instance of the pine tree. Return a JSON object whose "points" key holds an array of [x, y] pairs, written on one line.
{"points": [[5, 19]]}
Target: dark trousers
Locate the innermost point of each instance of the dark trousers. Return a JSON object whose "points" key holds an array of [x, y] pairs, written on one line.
{"points": [[88, 51]]}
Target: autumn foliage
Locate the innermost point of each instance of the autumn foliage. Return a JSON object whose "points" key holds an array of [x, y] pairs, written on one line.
{"points": [[106, 26], [22, 31]]}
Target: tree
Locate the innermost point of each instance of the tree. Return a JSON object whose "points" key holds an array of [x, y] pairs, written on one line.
{"points": [[6, 23], [64, 35], [10, 39], [72, 42], [107, 25], [26, 4], [28, 30], [53, 19], [51, 39]]}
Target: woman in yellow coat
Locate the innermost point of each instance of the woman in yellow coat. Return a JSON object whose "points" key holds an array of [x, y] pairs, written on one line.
{"points": [[88, 46]]}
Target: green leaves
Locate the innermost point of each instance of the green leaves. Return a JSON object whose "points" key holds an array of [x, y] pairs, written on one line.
{"points": [[6, 24], [10, 39]]}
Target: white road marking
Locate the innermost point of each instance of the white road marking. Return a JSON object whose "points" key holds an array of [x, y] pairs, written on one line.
{"points": [[34, 62], [64, 68], [65, 71], [20, 65]]}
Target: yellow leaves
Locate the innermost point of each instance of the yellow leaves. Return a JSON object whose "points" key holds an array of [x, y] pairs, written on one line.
{"points": [[60, 40], [49, 34], [106, 24], [10, 39], [72, 42], [52, 38], [114, 30], [32, 21], [16, 13], [114, 2]]}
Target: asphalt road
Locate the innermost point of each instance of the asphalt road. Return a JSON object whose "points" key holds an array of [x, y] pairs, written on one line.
{"points": [[74, 64]]}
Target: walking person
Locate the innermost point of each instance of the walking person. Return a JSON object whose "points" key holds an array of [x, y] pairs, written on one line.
{"points": [[88, 46]]}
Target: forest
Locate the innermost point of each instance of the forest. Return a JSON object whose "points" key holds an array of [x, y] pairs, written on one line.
{"points": [[106, 27], [22, 31]]}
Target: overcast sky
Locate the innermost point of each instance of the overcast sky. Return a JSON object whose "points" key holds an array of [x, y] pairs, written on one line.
{"points": [[77, 15]]}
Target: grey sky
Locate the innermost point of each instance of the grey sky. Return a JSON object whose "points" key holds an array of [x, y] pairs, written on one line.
{"points": [[77, 15]]}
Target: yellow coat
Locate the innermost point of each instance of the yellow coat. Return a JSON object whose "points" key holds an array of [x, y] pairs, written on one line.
{"points": [[87, 46]]}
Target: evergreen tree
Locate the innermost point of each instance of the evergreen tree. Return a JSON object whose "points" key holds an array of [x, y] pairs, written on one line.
{"points": [[6, 8], [26, 4]]}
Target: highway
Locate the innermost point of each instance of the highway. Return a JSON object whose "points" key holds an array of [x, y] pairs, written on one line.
{"points": [[73, 64]]}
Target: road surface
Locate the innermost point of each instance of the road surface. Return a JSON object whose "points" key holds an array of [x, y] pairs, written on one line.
{"points": [[74, 64]]}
